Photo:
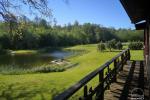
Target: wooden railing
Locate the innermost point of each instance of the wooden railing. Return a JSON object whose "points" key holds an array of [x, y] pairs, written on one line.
{"points": [[105, 79]]}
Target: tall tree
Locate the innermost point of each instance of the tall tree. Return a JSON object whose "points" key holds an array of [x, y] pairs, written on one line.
{"points": [[15, 5]]}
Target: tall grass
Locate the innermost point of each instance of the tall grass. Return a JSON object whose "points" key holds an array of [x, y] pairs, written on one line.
{"points": [[13, 69]]}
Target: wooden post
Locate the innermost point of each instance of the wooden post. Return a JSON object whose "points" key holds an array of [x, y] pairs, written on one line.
{"points": [[148, 58], [108, 77], [85, 92], [129, 55], [115, 72], [100, 92], [122, 61], [126, 57]]}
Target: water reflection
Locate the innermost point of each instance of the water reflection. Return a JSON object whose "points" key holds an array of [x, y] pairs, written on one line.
{"points": [[31, 60]]}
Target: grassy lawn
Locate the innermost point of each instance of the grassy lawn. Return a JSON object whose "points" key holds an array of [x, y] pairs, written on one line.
{"points": [[46, 85], [24, 52]]}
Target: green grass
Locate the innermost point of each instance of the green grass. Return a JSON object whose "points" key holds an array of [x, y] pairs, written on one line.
{"points": [[46, 85], [25, 51], [16, 70]]}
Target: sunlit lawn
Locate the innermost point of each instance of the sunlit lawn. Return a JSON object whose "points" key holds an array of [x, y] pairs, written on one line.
{"points": [[46, 85]]}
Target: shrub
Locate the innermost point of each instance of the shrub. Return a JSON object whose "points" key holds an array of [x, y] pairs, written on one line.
{"points": [[111, 44], [101, 46], [119, 45], [2, 51], [135, 45]]}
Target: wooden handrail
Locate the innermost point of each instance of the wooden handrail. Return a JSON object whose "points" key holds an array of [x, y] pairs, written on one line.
{"points": [[125, 55]]}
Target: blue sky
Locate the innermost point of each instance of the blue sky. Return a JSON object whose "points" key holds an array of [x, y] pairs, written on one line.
{"points": [[109, 13]]}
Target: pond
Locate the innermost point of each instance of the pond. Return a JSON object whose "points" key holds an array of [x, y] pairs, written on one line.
{"points": [[32, 60]]}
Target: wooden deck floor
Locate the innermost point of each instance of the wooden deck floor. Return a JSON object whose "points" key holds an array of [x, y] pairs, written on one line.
{"points": [[132, 78]]}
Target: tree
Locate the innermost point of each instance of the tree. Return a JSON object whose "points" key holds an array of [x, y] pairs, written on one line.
{"points": [[119, 45], [101, 46], [27, 34], [5, 41], [0, 47], [34, 5], [76, 23], [43, 23], [111, 44]]}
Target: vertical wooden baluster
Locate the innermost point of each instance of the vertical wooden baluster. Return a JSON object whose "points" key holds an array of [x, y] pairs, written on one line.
{"points": [[100, 92], [85, 92], [126, 56], [111, 76], [122, 58], [108, 77], [115, 70], [129, 54], [90, 93], [118, 62], [90, 90]]}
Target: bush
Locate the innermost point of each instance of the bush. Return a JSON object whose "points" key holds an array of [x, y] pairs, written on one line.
{"points": [[101, 47], [111, 44], [2, 51], [135, 45], [119, 45]]}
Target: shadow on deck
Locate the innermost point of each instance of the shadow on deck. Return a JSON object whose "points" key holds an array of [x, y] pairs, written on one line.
{"points": [[130, 81]]}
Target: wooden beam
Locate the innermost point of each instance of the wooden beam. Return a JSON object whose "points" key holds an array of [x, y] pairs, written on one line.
{"points": [[140, 26]]}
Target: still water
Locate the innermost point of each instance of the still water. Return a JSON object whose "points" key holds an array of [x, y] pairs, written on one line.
{"points": [[31, 60]]}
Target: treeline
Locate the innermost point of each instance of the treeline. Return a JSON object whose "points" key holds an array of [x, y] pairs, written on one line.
{"points": [[27, 34]]}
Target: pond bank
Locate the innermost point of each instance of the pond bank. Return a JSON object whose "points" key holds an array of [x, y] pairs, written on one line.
{"points": [[46, 85], [33, 61]]}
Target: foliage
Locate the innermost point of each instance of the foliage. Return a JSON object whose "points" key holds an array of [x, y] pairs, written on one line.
{"points": [[26, 34], [111, 44], [125, 35], [101, 46], [34, 5], [119, 45], [135, 45], [1, 49]]}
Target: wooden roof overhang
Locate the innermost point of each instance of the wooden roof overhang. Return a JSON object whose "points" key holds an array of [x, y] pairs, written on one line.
{"points": [[138, 11]]}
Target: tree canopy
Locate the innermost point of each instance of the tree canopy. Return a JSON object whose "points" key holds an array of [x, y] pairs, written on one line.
{"points": [[38, 33], [10, 9]]}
